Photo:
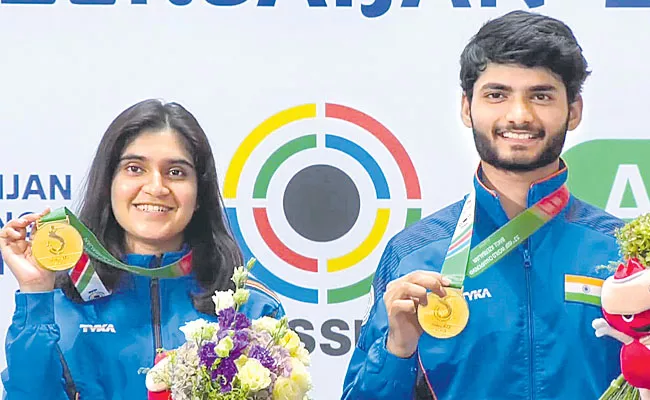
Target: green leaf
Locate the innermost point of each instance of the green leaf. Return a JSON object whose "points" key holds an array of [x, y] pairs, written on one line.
{"points": [[634, 239]]}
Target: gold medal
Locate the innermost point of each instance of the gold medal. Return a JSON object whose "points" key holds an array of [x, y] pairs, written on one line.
{"points": [[445, 317], [57, 246]]}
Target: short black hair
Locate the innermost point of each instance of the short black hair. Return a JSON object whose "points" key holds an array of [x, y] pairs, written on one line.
{"points": [[527, 39]]}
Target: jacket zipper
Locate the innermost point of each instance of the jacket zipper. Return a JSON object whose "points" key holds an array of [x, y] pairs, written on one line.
{"points": [[531, 331], [154, 287], [70, 386]]}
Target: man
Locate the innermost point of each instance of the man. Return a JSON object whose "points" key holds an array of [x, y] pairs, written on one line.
{"points": [[529, 333]]}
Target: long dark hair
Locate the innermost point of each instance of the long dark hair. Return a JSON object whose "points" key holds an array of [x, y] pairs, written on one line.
{"points": [[214, 251]]}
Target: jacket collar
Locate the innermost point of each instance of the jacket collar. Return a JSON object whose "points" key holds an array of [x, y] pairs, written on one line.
{"points": [[155, 261], [490, 202]]}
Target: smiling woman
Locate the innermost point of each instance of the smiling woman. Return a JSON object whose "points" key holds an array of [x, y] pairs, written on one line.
{"points": [[153, 202], [153, 194]]}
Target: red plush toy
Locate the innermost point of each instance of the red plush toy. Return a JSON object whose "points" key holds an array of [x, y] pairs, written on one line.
{"points": [[625, 300]]}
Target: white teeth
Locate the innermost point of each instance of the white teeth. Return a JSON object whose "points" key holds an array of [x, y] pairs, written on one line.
{"points": [[511, 135], [152, 208]]}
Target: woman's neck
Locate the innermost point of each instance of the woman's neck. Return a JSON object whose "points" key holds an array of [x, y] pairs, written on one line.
{"points": [[157, 247]]}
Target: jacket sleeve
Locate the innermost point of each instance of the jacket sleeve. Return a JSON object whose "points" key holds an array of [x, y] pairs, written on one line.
{"points": [[263, 302], [373, 372], [34, 369]]}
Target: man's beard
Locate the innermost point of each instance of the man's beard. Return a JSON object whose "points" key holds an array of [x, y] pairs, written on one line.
{"points": [[490, 155]]}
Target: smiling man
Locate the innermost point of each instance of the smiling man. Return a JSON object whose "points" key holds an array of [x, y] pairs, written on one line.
{"points": [[529, 334]]}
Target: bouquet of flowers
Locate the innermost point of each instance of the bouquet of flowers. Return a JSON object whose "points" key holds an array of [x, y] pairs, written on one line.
{"points": [[233, 359], [625, 302]]}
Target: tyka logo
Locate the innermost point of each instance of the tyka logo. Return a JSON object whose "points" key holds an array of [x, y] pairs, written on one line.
{"points": [[312, 192], [97, 328], [477, 294]]}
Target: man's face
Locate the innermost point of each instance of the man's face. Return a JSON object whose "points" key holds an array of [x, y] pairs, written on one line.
{"points": [[519, 116]]}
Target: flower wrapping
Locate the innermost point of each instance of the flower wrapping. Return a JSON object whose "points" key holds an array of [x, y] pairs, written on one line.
{"points": [[234, 358]]}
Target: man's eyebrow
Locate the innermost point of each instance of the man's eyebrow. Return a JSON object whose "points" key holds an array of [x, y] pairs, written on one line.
{"points": [[543, 88], [496, 86]]}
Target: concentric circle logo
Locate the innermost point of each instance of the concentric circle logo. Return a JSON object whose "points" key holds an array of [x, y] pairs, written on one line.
{"points": [[312, 192]]}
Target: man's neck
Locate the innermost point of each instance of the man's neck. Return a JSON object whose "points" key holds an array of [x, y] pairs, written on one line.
{"points": [[513, 187]]}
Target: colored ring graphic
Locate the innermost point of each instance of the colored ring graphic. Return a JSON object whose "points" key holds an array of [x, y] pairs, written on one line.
{"points": [[308, 142]]}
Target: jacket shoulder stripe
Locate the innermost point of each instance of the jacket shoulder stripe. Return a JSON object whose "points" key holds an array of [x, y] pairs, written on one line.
{"points": [[262, 288]]}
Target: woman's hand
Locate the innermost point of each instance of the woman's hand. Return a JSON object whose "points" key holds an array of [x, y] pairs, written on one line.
{"points": [[16, 252]]}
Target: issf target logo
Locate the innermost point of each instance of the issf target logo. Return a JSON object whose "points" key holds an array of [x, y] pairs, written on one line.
{"points": [[313, 193]]}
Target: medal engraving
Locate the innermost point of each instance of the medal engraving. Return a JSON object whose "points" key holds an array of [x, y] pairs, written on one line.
{"points": [[445, 317], [57, 246]]}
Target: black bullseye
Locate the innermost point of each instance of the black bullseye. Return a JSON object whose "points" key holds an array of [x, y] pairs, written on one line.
{"points": [[321, 203]]}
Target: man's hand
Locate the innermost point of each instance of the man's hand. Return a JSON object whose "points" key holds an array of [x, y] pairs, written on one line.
{"points": [[402, 298]]}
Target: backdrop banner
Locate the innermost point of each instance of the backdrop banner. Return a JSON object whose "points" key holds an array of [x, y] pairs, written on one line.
{"points": [[334, 123]]}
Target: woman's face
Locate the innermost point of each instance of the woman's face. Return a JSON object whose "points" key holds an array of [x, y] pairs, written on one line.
{"points": [[154, 192]]}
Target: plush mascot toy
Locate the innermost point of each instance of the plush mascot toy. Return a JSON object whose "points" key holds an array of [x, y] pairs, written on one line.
{"points": [[625, 302]]}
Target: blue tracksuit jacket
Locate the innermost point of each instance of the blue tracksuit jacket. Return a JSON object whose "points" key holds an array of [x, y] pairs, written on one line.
{"points": [[106, 341], [524, 340]]}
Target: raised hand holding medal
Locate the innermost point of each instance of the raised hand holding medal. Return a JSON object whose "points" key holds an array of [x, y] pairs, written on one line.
{"points": [[431, 302], [56, 245], [59, 239], [17, 253], [445, 317], [401, 299]]}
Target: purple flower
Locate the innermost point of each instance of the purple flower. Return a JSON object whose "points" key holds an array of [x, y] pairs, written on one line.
{"points": [[240, 341], [262, 338], [226, 317], [222, 334], [207, 354], [226, 388], [227, 371], [283, 358], [285, 368], [263, 356], [241, 322]]}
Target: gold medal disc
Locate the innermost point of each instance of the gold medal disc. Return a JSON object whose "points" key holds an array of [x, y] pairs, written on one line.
{"points": [[445, 317], [57, 246]]}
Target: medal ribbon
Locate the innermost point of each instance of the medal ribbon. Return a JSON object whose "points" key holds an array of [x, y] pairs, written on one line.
{"points": [[85, 276], [460, 261]]}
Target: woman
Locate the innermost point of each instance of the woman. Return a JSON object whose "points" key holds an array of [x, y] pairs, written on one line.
{"points": [[151, 198]]}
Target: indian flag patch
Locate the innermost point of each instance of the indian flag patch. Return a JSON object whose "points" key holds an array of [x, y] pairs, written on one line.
{"points": [[582, 289]]}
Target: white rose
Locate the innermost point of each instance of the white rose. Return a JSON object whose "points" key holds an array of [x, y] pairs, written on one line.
{"points": [[194, 330], [266, 324], [303, 355], [254, 375], [223, 300], [295, 386]]}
